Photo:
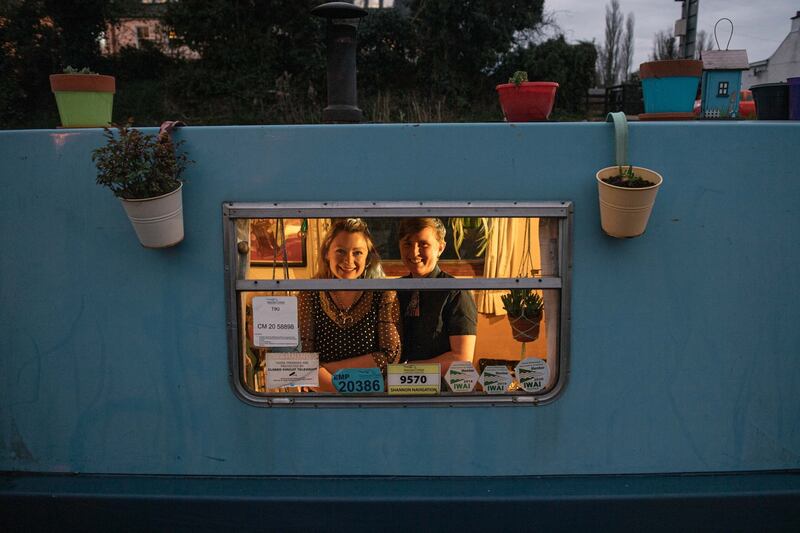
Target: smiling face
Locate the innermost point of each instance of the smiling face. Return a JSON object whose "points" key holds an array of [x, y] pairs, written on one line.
{"points": [[420, 252], [347, 255]]}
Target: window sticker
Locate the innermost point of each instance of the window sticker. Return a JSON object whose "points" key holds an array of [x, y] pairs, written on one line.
{"points": [[461, 377], [294, 369], [414, 379], [496, 379], [533, 374], [358, 380], [275, 321]]}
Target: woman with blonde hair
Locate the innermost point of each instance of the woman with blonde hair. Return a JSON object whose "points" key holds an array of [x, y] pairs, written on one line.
{"points": [[349, 329]]}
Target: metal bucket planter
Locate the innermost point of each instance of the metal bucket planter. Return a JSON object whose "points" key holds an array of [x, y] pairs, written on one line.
{"points": [[624, 212], [158, 221], [669, 88], [84, 100], [525, 329]]}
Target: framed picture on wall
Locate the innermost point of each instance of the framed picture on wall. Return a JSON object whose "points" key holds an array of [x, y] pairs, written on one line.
{"points": [[266, 248]]}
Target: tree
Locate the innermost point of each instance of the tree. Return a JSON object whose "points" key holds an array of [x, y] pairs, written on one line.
{"points": [[611, 57], [271, 35], [458, 43], [79, 24], [702, 43], [664, 46], [626, 50]]}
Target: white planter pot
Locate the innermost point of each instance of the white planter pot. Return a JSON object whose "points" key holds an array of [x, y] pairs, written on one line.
{"points": [[158, 221]]}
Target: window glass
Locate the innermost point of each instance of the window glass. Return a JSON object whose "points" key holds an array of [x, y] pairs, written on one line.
{"points": [[389, 308]]}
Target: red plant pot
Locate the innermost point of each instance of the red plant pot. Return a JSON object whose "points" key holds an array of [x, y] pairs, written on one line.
{"points": [[527, 102]]}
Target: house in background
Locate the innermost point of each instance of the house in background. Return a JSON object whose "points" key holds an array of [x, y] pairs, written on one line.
{"points": [[142, 25], [783, 63]]}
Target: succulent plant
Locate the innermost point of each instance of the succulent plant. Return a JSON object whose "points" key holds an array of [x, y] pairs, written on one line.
{"points": [[518, 78], [523, 303], [72, 70]]}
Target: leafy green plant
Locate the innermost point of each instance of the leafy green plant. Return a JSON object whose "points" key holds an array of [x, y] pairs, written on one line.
{"points": [[72, 70], [518, 78], [135, 165], [523, 303], [458, 227]]}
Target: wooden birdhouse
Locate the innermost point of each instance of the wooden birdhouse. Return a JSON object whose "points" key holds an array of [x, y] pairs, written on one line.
{"points": [[722, 80]]}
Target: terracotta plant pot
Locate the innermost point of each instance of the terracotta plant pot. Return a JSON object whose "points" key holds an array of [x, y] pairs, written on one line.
{"points": [[84, 100], [624, 211], [525, 329], [158, 221], [670, 87], [529, 101]]}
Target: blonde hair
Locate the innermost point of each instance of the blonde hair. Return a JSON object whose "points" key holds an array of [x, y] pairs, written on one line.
{"points": [[373, 268]]}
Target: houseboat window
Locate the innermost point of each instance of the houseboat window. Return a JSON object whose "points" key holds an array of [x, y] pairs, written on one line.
{"points": [[391, 303]]}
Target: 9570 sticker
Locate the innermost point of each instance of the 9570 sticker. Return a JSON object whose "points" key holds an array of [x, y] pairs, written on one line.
{"points": [[414, 379]]}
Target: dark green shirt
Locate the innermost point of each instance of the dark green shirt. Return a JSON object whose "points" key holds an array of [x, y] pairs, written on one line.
{"points": [[441, 315]]}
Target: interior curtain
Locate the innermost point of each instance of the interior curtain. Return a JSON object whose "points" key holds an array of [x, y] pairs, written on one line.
{"points": [[505, 254]]}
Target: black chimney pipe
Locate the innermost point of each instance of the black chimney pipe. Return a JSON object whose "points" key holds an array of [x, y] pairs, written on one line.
{"points": [[341, 42]]}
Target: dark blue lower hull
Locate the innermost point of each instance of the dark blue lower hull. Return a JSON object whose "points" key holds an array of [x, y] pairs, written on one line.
{"points": [[709, 502]]}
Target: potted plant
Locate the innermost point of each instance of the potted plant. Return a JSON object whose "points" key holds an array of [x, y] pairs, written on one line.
{"points": [[669, 88], [626, 192], [525, 309], [772, 100], [526, 101], [144, 172], [85, 99]]}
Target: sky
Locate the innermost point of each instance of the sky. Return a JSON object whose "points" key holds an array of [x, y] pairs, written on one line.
{"points": [[759, 25]]}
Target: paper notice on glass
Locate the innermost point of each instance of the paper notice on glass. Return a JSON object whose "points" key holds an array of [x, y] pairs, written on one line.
{"points": [[275, 321], [296, 369]]}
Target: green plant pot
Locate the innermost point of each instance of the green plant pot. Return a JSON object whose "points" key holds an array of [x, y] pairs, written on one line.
{"points": [[84, 100]]}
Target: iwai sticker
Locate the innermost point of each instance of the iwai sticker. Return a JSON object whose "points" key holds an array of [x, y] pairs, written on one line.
{"points": [[496, 379], [533, 374], [461, 377]]}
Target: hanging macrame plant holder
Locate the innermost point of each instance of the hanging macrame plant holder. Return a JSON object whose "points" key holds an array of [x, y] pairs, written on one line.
{"points": [[525, 328]]}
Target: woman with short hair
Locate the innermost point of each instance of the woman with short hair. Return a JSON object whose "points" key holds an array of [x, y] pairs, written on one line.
{"points": [[438, 326]]}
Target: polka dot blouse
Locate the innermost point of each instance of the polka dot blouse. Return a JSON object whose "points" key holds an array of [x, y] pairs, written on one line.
{"points": [[370, 326]]}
